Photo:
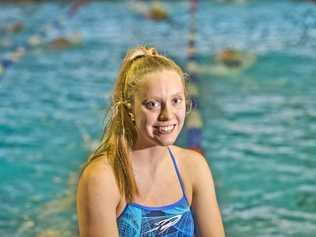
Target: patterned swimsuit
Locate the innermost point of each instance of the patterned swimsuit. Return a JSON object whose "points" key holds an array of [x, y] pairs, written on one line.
{"points": [[173, 220]]}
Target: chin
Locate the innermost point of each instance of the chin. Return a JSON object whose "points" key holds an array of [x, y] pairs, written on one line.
{"points": [[166, 141]]}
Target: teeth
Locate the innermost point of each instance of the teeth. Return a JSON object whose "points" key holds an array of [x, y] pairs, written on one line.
{"points": [[166, 129]]}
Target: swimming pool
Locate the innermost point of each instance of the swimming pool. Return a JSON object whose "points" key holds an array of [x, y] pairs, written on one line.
{"points": [[259, 130]]}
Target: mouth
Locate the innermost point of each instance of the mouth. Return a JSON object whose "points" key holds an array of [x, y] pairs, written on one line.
{"points": [[162, 130]]}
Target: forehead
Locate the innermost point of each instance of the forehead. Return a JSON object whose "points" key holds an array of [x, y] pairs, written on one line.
{"points": [[161, 84]]}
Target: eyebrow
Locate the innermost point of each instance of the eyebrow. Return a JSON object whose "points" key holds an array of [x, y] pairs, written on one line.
{"points": [[176, 94]]}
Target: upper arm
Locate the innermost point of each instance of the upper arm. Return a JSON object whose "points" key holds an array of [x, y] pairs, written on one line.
{"points": [[204, 202], [97, 199]]}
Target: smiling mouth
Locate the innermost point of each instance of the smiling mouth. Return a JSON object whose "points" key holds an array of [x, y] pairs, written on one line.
{"points": [[165, 129]]}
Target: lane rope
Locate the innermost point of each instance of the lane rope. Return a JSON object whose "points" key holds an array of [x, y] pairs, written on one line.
{"points": [[194, 121], [36, 39]]}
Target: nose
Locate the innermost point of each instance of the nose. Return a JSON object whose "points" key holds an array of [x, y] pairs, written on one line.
{"points": [[165, 113]]}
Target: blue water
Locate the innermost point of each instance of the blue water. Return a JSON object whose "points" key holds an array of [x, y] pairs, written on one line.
{"points": [[259, 124]]}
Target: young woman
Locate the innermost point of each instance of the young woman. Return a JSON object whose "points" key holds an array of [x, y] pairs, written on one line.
{"points": [[137, 183]]}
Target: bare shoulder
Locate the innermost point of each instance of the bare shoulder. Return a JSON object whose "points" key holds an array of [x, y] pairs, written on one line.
{"points": [[97, 199], [195, 164], [97, 182], [190, 157], [96, 168]]}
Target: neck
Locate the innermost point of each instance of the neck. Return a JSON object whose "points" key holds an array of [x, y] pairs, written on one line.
{"points": [[149, 157]]}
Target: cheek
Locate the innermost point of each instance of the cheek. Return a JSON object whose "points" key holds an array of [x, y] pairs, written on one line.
{"points": [[146, 119], [181, 114]]}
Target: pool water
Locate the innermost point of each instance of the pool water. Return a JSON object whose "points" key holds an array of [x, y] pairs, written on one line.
{"points": [[259, 132]]}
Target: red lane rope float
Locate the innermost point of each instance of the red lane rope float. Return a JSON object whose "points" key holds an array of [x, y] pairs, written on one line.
{"points": [[35, 39], [194, 122]]}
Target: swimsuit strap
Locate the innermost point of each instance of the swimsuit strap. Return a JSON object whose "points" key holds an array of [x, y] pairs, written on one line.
{"points": [[178, 174]]}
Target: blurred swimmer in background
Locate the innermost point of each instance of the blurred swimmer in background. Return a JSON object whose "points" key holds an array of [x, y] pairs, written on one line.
{"points": [[155, 11], [227, 62]]}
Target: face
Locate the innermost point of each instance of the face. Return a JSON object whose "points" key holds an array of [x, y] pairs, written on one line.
{"points": [[159, 108]]}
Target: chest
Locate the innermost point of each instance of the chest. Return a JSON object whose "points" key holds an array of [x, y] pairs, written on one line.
{"points": [[161, 187], [158, 187]]}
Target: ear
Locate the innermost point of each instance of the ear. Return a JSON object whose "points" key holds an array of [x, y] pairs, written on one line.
{"points": [[188, 106]]}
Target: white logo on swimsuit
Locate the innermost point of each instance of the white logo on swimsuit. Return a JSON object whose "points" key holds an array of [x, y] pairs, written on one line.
{"points": [[163, 225]]}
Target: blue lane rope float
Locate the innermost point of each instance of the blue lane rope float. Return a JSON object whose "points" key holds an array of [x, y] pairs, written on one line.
{"points": [[36, 39], [194, 122]]}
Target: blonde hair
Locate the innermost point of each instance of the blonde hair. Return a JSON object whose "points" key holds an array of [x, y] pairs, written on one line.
{"points": [[119, 134]]}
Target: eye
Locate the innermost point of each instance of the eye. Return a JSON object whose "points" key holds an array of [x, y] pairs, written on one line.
{"points": [[152, 104], [177, 100]]}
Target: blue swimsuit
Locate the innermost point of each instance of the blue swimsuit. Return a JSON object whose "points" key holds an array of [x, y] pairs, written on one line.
{"points": [[173, 220]]}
